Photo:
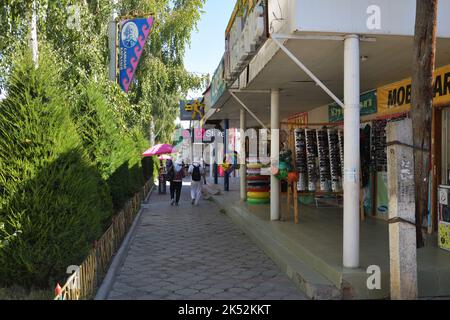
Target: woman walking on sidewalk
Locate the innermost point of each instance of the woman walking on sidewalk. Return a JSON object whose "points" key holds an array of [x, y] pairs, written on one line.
{"points": [[176, 183]]}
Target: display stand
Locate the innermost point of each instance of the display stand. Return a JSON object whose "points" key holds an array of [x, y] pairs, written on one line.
{"points": [[311, 141]]}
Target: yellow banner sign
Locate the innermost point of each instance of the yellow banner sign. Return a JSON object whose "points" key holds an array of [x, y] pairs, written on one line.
{"points": [[396, 97]]}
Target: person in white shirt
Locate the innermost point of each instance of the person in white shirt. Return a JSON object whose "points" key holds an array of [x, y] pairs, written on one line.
{"points": [[197, 171]]}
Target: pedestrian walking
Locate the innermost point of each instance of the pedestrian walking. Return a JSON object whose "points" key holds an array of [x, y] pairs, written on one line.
{"points": [[196, 170], [176, 171]]}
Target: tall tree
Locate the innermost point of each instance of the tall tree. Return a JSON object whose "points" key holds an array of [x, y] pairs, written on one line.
{"points": [[423, 66], [78, 31]]}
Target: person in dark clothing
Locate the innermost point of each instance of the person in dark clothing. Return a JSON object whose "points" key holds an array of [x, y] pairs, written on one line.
{"points": [[176, 183]]}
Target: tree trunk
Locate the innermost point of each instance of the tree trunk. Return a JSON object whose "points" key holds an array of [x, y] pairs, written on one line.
{"points": [[32, 40], [422, 102], [152, 133]]}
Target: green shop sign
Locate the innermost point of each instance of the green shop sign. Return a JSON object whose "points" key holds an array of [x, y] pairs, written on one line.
{"points": [[368, 106], [218, 85]]}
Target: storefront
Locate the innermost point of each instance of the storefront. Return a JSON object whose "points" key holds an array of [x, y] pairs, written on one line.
{"points": [[396, 99], [379, 107]]}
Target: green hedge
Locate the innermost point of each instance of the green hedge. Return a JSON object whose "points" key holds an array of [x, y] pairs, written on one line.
{"points": [[112, 147], [53, 199]]}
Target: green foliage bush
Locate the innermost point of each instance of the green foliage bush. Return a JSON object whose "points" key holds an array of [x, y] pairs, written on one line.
{"points": [[114, 149], [52, 197]]}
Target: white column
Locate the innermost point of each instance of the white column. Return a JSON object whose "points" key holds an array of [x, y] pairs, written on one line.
{"points": [[274, 153], [242, 162], [351, 152]]}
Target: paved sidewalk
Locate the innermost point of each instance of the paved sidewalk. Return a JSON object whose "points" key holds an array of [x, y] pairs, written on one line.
{"points": [[186, 252]]}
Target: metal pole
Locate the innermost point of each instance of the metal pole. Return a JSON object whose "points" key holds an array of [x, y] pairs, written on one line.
{"points": [[242, 160], [113, 43], [274, 153], [226, 177], [351, 151], [215, 166]]}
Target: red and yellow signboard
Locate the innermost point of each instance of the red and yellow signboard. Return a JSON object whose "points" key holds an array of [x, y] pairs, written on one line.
{"points": [[299, 118], [396, 97]]}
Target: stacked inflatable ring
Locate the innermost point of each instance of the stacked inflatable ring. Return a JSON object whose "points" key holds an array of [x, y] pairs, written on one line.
{"points": [[258, 186]]}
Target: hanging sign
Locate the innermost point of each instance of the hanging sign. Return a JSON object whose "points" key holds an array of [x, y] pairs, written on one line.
{"points": [[133, 35], [368, 104], [396, 97], [192, 110], [218, 85]]}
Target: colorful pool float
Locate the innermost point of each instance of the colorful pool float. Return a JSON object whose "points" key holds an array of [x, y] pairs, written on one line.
{"points": [[258, 201], [258, 195]]}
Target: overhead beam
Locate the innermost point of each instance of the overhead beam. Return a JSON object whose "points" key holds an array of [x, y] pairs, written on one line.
{"points": [[248, 109], [306, 70], [284, 36]]}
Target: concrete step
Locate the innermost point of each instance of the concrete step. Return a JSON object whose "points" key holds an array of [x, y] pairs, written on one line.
{"points": [[280, 251], [273, 230], [211, 189]]}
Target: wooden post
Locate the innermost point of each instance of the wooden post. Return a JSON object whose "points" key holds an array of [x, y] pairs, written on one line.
{"points": [[424, 54], [436, 166], [402, 224], [296, 203], [289, 196]]}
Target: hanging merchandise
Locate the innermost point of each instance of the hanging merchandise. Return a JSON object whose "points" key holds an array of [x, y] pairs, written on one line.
{"points": [[311, 155], [365, 138], [379, 145], [341, 149], [335, 160], [324, 160], [300, 151], [285, 164]]}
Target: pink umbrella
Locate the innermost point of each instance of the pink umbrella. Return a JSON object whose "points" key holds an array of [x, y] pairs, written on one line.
{"points": [[157, 150]]}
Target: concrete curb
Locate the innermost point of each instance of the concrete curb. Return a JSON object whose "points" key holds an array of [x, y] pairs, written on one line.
{"points": [[105, 288]]}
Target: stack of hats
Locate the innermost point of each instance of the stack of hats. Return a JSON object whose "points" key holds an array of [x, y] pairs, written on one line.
{"points": [[258, 186]]}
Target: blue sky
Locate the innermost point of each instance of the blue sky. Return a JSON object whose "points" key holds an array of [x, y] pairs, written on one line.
{"points": [[208, 44]]}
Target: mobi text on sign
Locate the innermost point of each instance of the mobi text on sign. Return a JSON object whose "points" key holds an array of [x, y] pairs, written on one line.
{"points": [[396, 97]]}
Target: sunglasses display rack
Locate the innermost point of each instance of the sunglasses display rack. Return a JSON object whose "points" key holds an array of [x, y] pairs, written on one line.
{"points": [[335, 160], [341, 148], [311, 155], [324, 160], [300, 153], [379, 157]]}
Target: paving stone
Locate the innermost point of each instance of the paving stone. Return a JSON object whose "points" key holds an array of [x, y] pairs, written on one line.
{"points": [[186, 292], [212, 290], [196, 253]]}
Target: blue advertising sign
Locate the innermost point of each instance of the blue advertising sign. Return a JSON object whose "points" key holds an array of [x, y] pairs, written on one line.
{"points": [[192, 110], [133, 35]]}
